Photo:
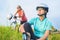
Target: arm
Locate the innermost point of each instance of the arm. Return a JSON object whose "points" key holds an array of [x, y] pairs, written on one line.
{"points": [[15, 13], [48, 28], [45, 35]]}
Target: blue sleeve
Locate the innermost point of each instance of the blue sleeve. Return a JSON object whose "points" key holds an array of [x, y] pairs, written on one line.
{"points": [[32, 21], [49, 25]]}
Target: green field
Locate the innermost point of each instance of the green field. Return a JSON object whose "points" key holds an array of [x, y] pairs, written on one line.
{"points": [[54, 37], [6, 33]]}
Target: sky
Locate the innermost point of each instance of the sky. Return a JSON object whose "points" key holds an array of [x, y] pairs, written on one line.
{"points": [[29, 7]]}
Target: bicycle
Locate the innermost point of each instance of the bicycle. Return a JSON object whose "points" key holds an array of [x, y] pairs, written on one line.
{"points": [[25, 36], [15, 22]]}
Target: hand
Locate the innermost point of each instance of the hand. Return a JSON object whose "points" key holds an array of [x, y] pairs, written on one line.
{"points": [[41, 39]]}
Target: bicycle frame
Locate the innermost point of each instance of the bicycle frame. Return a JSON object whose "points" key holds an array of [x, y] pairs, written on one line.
{"points": [[14, 21]]}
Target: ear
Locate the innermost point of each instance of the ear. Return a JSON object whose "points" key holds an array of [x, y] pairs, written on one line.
{"points": [[45, 11]]}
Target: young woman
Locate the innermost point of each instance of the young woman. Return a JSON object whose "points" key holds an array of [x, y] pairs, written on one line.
{"points": [[21, 14], [41, 24]]}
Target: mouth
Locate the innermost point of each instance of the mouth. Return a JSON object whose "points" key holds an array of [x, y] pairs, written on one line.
{"points": [[40, 14]]}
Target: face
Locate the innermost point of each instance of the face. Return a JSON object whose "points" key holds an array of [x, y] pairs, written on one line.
{"points": [[18, 8], [41, 11]]}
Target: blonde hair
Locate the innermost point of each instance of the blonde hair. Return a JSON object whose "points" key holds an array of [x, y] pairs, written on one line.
{"points": [[19, 7]]}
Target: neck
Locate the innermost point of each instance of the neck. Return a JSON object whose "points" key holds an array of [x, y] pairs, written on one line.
{"points": [[41, 18]]}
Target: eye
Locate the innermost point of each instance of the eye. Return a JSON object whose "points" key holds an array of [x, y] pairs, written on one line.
{"points": [[39, 10]]}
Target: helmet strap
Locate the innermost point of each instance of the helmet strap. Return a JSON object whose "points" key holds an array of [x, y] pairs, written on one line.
{"points": [[42, 15]]}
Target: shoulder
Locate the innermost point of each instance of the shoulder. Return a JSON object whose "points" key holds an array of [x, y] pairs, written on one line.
{"points": [[32, 21], [35, 18], [48, 22]]}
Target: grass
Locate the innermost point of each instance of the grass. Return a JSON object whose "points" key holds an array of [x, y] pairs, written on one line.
{"points": [[6, 33], [54, 36]]}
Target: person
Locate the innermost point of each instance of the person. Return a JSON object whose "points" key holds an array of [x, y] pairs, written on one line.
{"points": [[41, 24], [21, 14]]}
